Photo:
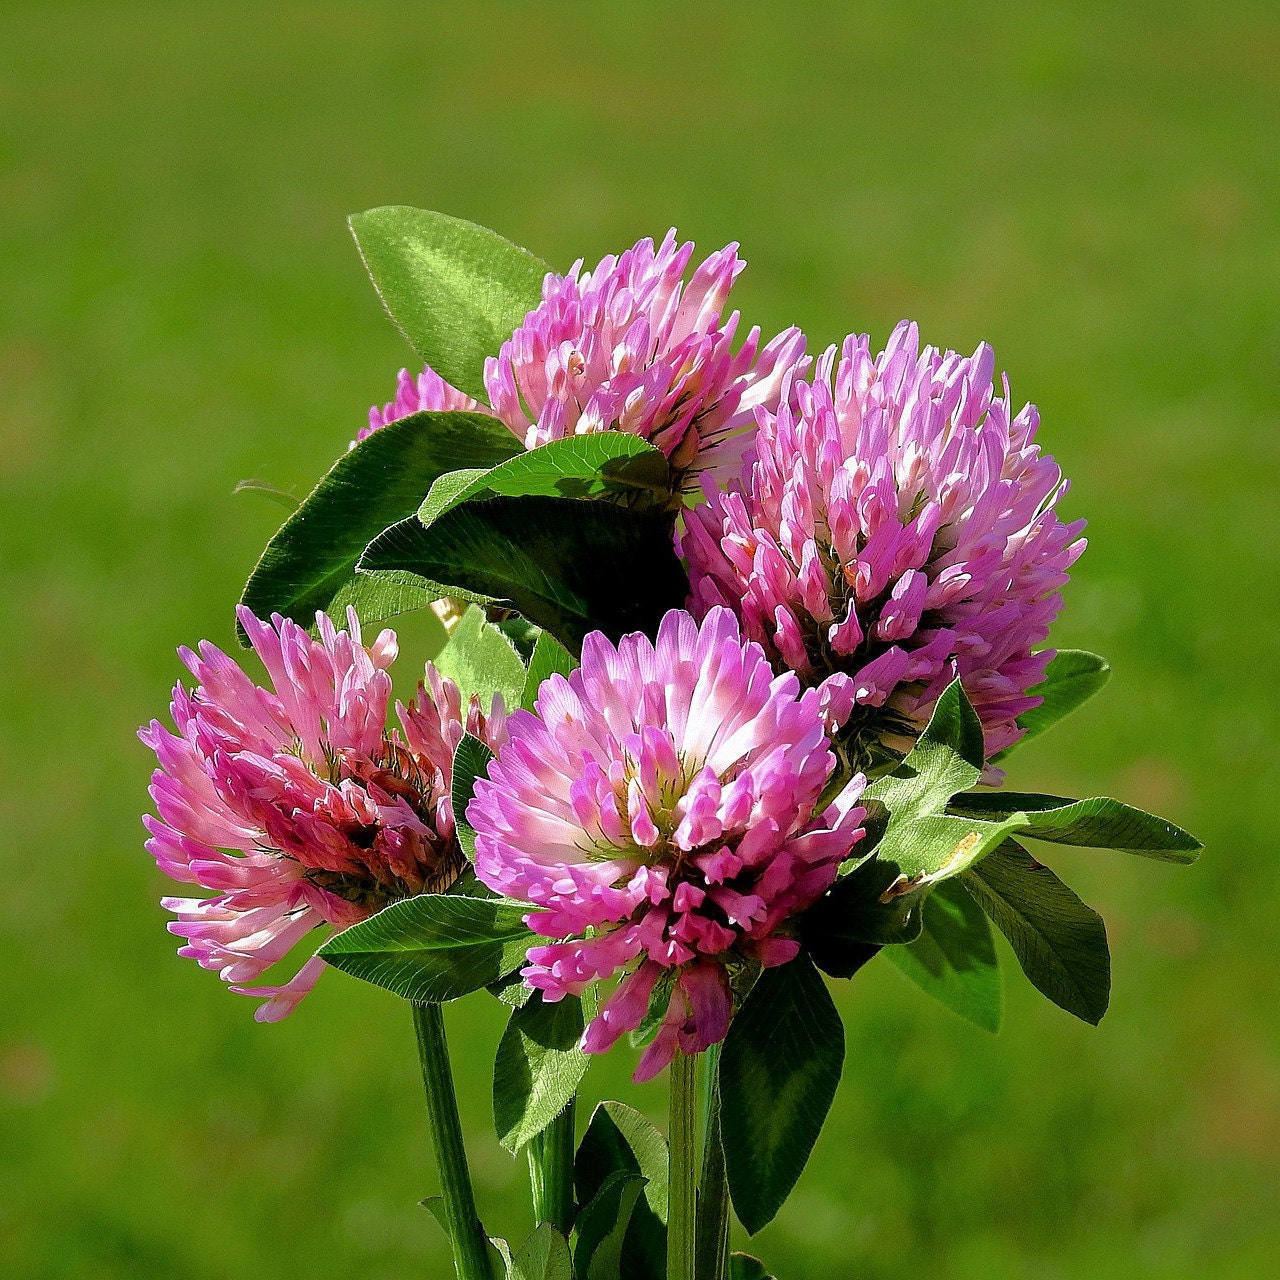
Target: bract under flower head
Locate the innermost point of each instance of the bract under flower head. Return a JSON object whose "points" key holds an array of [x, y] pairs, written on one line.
{"points": [[897, 529], [658, 805], [630, 346], [294, 804]]}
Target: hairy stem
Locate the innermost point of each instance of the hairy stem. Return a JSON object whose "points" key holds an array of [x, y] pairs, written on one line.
{"points": [[682, 1193], [712, 1247], [470, 1247]]}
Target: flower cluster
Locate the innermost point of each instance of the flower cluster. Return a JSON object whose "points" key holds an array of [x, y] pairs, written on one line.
{"points": [[895, 528], [630, 346], [295, 804], [658, 806]]}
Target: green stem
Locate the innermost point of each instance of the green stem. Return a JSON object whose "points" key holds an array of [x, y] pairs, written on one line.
{"points": [[551, 1171], [470, 1247], [712, 1245], [682, 1192]]}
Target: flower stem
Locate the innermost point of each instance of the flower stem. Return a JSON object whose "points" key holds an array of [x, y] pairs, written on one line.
{"points": [[712, 1246], [470, 1247], [682, 1194], [551, 1171]]}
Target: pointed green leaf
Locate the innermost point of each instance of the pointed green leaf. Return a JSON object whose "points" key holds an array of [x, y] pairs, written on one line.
{"points": [[382, 480], [558, 561], [621, 1140], [602, 1228], [470, 761], [1070, 680], [608, 464], [1097, 823], [1060, 943], [543, 1256], [549, 658], [954, 958], [479, 659], [457, 291], [538, 1067], [434, 947], [947, 757], [779, 1070]]}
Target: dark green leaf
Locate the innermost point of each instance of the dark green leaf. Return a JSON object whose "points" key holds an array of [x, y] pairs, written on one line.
{"points": [[549, 658], [480, 659], [1060, 943], [455, 290], [779, 1070], [538, 1067], [558, 561], [1098, 823], [954, 958], [543, 1256], [608, 464], [856, 910], [742, 1266], [602, 1228], [312, 558], [1070, 680], [434, 947], [470, 761], [621, 1140]]}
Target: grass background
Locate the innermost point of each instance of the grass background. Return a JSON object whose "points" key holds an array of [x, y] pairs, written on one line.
{"points": [[1093, 188]]}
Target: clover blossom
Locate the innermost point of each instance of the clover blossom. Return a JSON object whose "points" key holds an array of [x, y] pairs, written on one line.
{"points": [[296, 805], [630, 346], [658, 806], [898, 528]]}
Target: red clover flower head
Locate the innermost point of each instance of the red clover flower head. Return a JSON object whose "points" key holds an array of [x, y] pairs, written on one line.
{"points": [[896, 528], [658, 806], [630, 346], [295, 804]]}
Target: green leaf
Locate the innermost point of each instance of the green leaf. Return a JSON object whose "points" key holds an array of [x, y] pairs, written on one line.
{"points": [[434, 947], [857, 909], [954, 958], [479, 659], [538, 1067], [947, 757], [456, 291], [608, 464], [313, 556], [560, 562], [1097, 823], [470, 761], [602, 1228], [543, 1256], [511, 991], [1070, 680], [549, 658], [742, 1266], [619, 1140], [918, 845], [1060, 943], [779, 1070]]}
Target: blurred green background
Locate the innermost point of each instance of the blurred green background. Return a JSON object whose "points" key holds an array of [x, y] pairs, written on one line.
{"points": [[1094, 189]]}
